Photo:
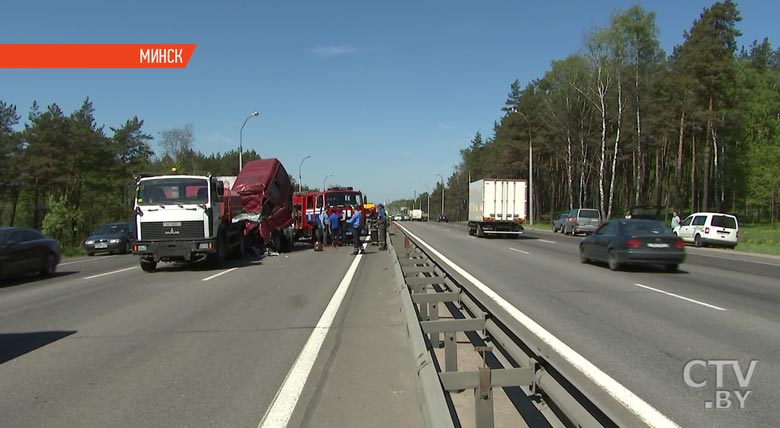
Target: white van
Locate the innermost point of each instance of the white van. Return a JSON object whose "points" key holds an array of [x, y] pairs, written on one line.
{"points": [[709, 229]]}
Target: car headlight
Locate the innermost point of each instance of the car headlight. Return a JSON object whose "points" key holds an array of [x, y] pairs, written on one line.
{"points": [[89, 242], [114, 241]]}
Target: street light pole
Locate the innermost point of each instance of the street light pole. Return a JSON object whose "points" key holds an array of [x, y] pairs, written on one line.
{"points": [[324, 180], [299, 171], [442, 193], [429, 200], [530, 169], [241, 141]]}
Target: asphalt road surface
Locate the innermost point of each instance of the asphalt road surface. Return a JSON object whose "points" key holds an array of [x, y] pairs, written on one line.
{"points": [[104, 344], [642, 326]]}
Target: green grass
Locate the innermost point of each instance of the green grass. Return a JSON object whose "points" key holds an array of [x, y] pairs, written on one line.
{"points": [[73, 252], [759, 238]]}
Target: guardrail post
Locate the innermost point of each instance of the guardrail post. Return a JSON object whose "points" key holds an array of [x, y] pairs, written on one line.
{"points": [[451, 351], [483, 394]]}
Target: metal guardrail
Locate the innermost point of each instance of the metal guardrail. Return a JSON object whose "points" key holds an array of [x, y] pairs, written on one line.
{"points": [[544, 388]]}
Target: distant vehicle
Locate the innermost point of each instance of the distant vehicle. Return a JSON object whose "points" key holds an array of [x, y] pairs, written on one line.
{"points": [[398, 217], [632, 241], [582, 220], [442, 217], [558, 222], [407, 217], [24, 250], [497, 207], [417, 215], [707, 228], [110, 237]]}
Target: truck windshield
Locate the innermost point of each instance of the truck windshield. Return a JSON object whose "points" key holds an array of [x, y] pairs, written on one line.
{"points": [[172, 191], [343, 198]]}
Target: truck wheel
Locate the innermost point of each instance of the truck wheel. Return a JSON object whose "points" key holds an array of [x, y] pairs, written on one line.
{"points": [[240, 249], [480, 232], [217, 258], [697, 241], [148, 265]]}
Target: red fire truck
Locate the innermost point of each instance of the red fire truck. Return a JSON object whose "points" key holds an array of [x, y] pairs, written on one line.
{"points": [[308, 205], [346, 200], [305, 214]]}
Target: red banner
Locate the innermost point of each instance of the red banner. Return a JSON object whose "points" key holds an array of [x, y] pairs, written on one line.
{"points": [[154, 55]]}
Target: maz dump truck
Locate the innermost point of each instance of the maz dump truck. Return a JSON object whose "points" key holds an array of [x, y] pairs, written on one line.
{"points": [[497, 207], [187, 218]]}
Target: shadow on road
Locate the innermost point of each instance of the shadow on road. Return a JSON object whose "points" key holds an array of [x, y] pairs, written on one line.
{"points": [[32, 278], [13, 345]]}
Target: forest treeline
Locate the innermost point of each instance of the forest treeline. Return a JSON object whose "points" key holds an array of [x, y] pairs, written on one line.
{"points": [[623, 123]]}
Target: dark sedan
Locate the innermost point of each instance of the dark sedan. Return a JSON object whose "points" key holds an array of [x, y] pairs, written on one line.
{"points": [[24, 250], [110, 237], [442, 217], [632, 241]]}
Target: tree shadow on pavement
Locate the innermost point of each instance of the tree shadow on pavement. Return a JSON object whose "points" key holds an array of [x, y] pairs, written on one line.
{"points": [[13, 345]]}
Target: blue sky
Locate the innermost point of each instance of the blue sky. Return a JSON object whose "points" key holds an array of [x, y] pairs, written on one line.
{"points": [[382, 95]]}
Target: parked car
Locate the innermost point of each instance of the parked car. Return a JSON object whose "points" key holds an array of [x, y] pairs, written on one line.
{"points": [[110, 237], [707, 228], [24, 250], [582, 220], [407, 217], [558, 222], [633, 241], [398, 217], [442, 217]]}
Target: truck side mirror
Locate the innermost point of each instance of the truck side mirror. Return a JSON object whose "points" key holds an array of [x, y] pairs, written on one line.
{"points": [[220, 188]]}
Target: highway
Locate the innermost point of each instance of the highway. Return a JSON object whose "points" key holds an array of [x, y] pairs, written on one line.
{"points": [[103, 344], [642, 325]]}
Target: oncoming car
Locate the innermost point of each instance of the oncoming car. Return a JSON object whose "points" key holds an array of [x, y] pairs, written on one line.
{"points": [[110, 237], [24, 250]]}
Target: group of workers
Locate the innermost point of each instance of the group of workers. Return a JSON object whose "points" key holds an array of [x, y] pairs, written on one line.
{"points": [[330, 230]]}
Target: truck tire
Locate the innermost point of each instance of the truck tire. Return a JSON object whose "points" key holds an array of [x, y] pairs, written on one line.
{"points": [[239, 250], [288, 240], [480, 232], [217, 258], [148, 265], [471, 230]]}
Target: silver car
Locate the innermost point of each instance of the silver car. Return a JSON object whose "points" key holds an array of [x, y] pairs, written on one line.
{"points": [[582, 220]]}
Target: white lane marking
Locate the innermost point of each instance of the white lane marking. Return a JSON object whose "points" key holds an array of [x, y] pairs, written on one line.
{"points": [[644, 411], [84, 261], [544, 240], [110, 273], [520, 251], [219, 274], [681, 297], [282, 407]]}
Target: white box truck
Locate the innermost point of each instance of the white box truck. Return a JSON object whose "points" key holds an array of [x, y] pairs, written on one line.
{"points": [[497, 207], [417, 215]]}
